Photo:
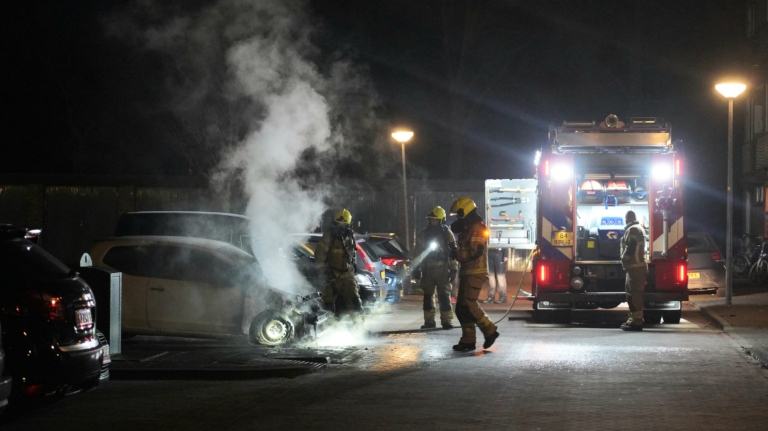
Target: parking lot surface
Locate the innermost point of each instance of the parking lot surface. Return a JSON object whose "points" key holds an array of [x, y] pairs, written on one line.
{"points": [[585, 374]]}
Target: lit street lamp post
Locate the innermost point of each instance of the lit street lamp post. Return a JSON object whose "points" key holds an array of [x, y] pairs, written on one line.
{"points": [[403, 136], [730, 91]]}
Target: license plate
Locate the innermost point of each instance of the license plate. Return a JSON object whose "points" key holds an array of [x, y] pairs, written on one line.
{"points": [[562, 239], [693, 275], [83, 318]]}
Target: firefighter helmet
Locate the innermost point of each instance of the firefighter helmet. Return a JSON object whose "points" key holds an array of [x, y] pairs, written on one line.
{"points": [[463, 206], [343, 216], [437, 212]]}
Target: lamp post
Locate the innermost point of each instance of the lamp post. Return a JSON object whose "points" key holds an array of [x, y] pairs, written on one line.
{"points": [[403, 136], [730, 90]]}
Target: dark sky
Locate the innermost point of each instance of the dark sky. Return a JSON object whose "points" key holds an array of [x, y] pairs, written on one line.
{"points": [[488, 75]]}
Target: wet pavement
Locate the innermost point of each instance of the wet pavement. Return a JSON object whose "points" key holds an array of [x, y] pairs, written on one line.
{"points": [[584, 374]]}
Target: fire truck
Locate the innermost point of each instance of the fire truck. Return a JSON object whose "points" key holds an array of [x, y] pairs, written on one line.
{"points": [[590, 175]]}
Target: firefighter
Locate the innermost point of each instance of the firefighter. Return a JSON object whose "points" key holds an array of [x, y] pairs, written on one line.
{"points": [[335, 258], [633, 262], [472, 255], [437, 269]]}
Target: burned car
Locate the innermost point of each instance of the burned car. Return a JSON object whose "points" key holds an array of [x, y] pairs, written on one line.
{"points": [[197, 287]]}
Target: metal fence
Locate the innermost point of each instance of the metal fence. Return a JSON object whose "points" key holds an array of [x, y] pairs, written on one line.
{"points": [[72, 217]]}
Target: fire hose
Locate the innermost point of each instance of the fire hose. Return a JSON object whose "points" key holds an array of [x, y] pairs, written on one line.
{"points": [[519, 287]]}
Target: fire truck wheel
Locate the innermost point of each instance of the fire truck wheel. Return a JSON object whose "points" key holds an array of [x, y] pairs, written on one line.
{"points": [[652, 317], [672, 317]]}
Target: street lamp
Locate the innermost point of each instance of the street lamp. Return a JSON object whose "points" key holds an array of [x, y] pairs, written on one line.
{"points": [[403, 136], [730, 90]]}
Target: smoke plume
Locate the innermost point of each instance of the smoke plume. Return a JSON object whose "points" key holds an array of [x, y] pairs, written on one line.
{"points": [[257, 99]]}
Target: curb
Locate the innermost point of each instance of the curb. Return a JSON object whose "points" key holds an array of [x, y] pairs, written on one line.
{"points": [[756, 352], [717, 320]]}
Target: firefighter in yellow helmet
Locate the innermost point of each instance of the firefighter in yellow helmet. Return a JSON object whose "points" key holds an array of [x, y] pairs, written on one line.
{"points": [[437, 243], [335, 258], [472, 254]]}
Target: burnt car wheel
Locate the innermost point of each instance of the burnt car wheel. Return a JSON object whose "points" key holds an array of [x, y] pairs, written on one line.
{"points": [[270, 328]]}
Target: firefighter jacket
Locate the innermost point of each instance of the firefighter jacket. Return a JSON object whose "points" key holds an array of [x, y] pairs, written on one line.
{"points": [[444, 242], [472, 251], [336, 253], [633, 246]]}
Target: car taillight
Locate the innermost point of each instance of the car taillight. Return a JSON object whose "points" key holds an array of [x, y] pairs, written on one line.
{"points": [[717, 256], [45, 305], [391, 261], [543, 274], [366, 261]]}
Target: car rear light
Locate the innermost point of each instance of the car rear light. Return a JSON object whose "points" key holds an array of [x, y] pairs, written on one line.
{"points": [[32, 389], [366, 261], [391, 261], [50, 307], [546, 168], [717, 256]]}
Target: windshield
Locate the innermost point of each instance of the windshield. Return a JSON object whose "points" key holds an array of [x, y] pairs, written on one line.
{"points": [[26, 260]]}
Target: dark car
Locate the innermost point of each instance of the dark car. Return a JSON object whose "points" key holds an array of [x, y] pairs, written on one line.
{"points": [[706, 266], [5, 380], [47, 313]]}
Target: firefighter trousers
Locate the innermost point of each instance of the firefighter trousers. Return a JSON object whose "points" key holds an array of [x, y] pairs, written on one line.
{"points": [[343, 285], [468, 311], [635, 287], [435, 277]]}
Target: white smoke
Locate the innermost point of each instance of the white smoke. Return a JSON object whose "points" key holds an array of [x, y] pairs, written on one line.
{"points": [[259, 55]]}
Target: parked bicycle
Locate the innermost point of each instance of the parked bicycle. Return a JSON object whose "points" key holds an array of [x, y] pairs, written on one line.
{"points": [[749, 253], [758, 272]]}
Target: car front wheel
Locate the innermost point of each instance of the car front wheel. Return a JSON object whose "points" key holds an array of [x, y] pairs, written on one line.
{"points": [[271, 328]]}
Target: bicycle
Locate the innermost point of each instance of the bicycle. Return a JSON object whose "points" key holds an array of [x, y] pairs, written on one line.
{"points": [[748, 254], [758, 273]]}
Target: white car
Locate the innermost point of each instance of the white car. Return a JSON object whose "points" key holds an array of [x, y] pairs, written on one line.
{"points": [[202, 288]]}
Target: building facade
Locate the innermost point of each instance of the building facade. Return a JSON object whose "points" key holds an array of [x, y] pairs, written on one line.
{"points": [[755, 146]]}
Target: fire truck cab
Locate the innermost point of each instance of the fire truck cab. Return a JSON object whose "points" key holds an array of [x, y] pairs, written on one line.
{"points": [[589, 177]]}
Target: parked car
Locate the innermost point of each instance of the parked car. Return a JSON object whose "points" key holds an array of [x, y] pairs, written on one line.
{"points": [[706, 265], [47, 313], [199, 287], [231, 228], [394, 257], [5, 380], [372, 288], [104, 373]]}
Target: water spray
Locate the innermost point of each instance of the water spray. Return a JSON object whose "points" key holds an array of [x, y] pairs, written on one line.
{"points": [[432, 247]]}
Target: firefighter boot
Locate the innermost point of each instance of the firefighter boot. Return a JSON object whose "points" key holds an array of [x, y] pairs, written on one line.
{"points": [[429, 319], [468, 338], [489, 331], [445, 319]]}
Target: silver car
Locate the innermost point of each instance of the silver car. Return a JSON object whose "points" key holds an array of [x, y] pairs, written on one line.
{"points": [[706, 265]]}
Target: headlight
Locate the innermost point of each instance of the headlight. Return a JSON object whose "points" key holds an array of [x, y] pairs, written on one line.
{"points": [[433, 246], [362, 280], [577, 283], [576, 270]]}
